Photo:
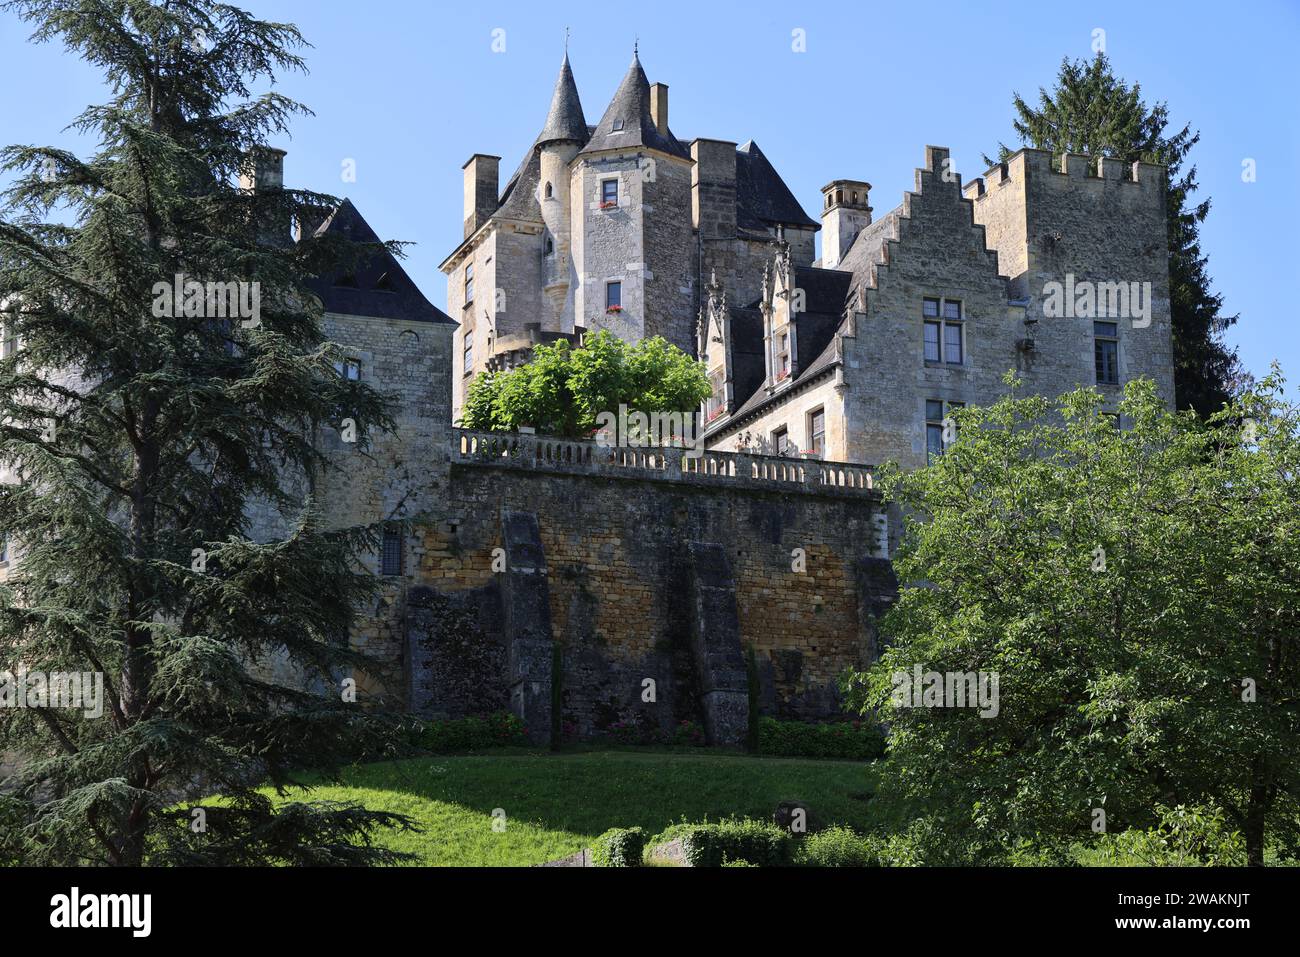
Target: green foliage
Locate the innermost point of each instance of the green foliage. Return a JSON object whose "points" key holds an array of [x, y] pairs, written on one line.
{"points": [[1164, 676], [451, 735], [1183, 837], [1094, 113], [838, 847], [563, 390], [136, 435], [619, 847], [848, 740], [734, 839]]}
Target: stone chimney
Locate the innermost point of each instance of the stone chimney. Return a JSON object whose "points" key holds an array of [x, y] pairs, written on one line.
{"points": [[659, 107], [263, 169], [262, 174], [481, 175], [845, 213], [713, 188]]}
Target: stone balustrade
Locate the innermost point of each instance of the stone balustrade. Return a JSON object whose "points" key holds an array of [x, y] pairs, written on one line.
{"points": [[545, 453]]}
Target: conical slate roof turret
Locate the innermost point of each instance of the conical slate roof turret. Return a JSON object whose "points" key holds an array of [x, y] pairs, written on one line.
{"points": [[627, 121], [565, 120]]}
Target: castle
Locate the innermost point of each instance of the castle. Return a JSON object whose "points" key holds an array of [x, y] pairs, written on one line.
{"points": [[584, 586], [857, 356]]}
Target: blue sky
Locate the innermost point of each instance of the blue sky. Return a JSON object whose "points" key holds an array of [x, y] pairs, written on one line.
{"points": [[408, 89]]}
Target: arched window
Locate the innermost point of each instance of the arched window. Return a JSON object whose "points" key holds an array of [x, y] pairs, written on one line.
{"points": [[549, 190], [550, 246]]}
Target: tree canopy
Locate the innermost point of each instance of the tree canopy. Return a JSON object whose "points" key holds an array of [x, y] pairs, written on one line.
{"points": [[563, 389], [1136, 591], [141, 430]]}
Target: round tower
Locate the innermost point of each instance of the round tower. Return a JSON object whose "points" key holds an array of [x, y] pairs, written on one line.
{"points": [[564, 134]]}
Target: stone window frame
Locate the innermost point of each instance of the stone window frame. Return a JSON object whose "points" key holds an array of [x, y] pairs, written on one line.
{"points": [[392, 554], [716, 403], [935, 425], [349, 368], [816, 449], [941, 321], [548, 246], [467, 352], [469, 283], [604, 201], [781, 434], [616, 303], [1105, 344]]}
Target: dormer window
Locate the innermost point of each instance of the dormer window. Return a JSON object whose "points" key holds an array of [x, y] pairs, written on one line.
{"points": [[716, 405], [385, 282], [618, 124], [783, 357]]}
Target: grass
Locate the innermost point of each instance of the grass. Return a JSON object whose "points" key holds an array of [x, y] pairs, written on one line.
{"points": [[554, 804]]}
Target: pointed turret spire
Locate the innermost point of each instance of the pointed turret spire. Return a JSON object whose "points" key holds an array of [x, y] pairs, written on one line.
{"points": [[627, 121], [565, 120]]}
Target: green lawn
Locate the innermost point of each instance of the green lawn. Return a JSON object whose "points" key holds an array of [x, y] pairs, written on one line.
{"points": [[555, 804]]}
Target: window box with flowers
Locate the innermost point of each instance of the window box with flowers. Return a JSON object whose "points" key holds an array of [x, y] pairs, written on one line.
{"points": [[717, 413], [608, 205], [613, 308], [783, 375]]}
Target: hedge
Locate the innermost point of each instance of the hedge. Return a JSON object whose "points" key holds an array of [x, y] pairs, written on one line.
{"points": [[619, 847], [837, 847], [502, 729], [858, 740], [726, 842]]}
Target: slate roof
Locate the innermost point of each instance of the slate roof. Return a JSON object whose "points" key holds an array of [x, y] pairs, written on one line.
{"points": [[565, 120], [824, 295], [762, 198], [379, 287], [867, 248], [627, 121]]}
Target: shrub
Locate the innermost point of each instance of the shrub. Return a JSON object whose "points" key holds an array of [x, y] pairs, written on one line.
{"points": [[838, 847], [689, 733], [501, 729], [726, 842], [619, 847], [856, 740]]}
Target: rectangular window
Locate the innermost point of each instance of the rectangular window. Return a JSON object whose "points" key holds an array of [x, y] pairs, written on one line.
{"points": [[943, 338], [468, 365], [932, 353], [1106, 352], [716, 406], [390, 559], [608, 193], [349, 369], [613, 297], [936, 414], [781, 442], [952, 343], [817, 433], [783, 356], [469, 284]]}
